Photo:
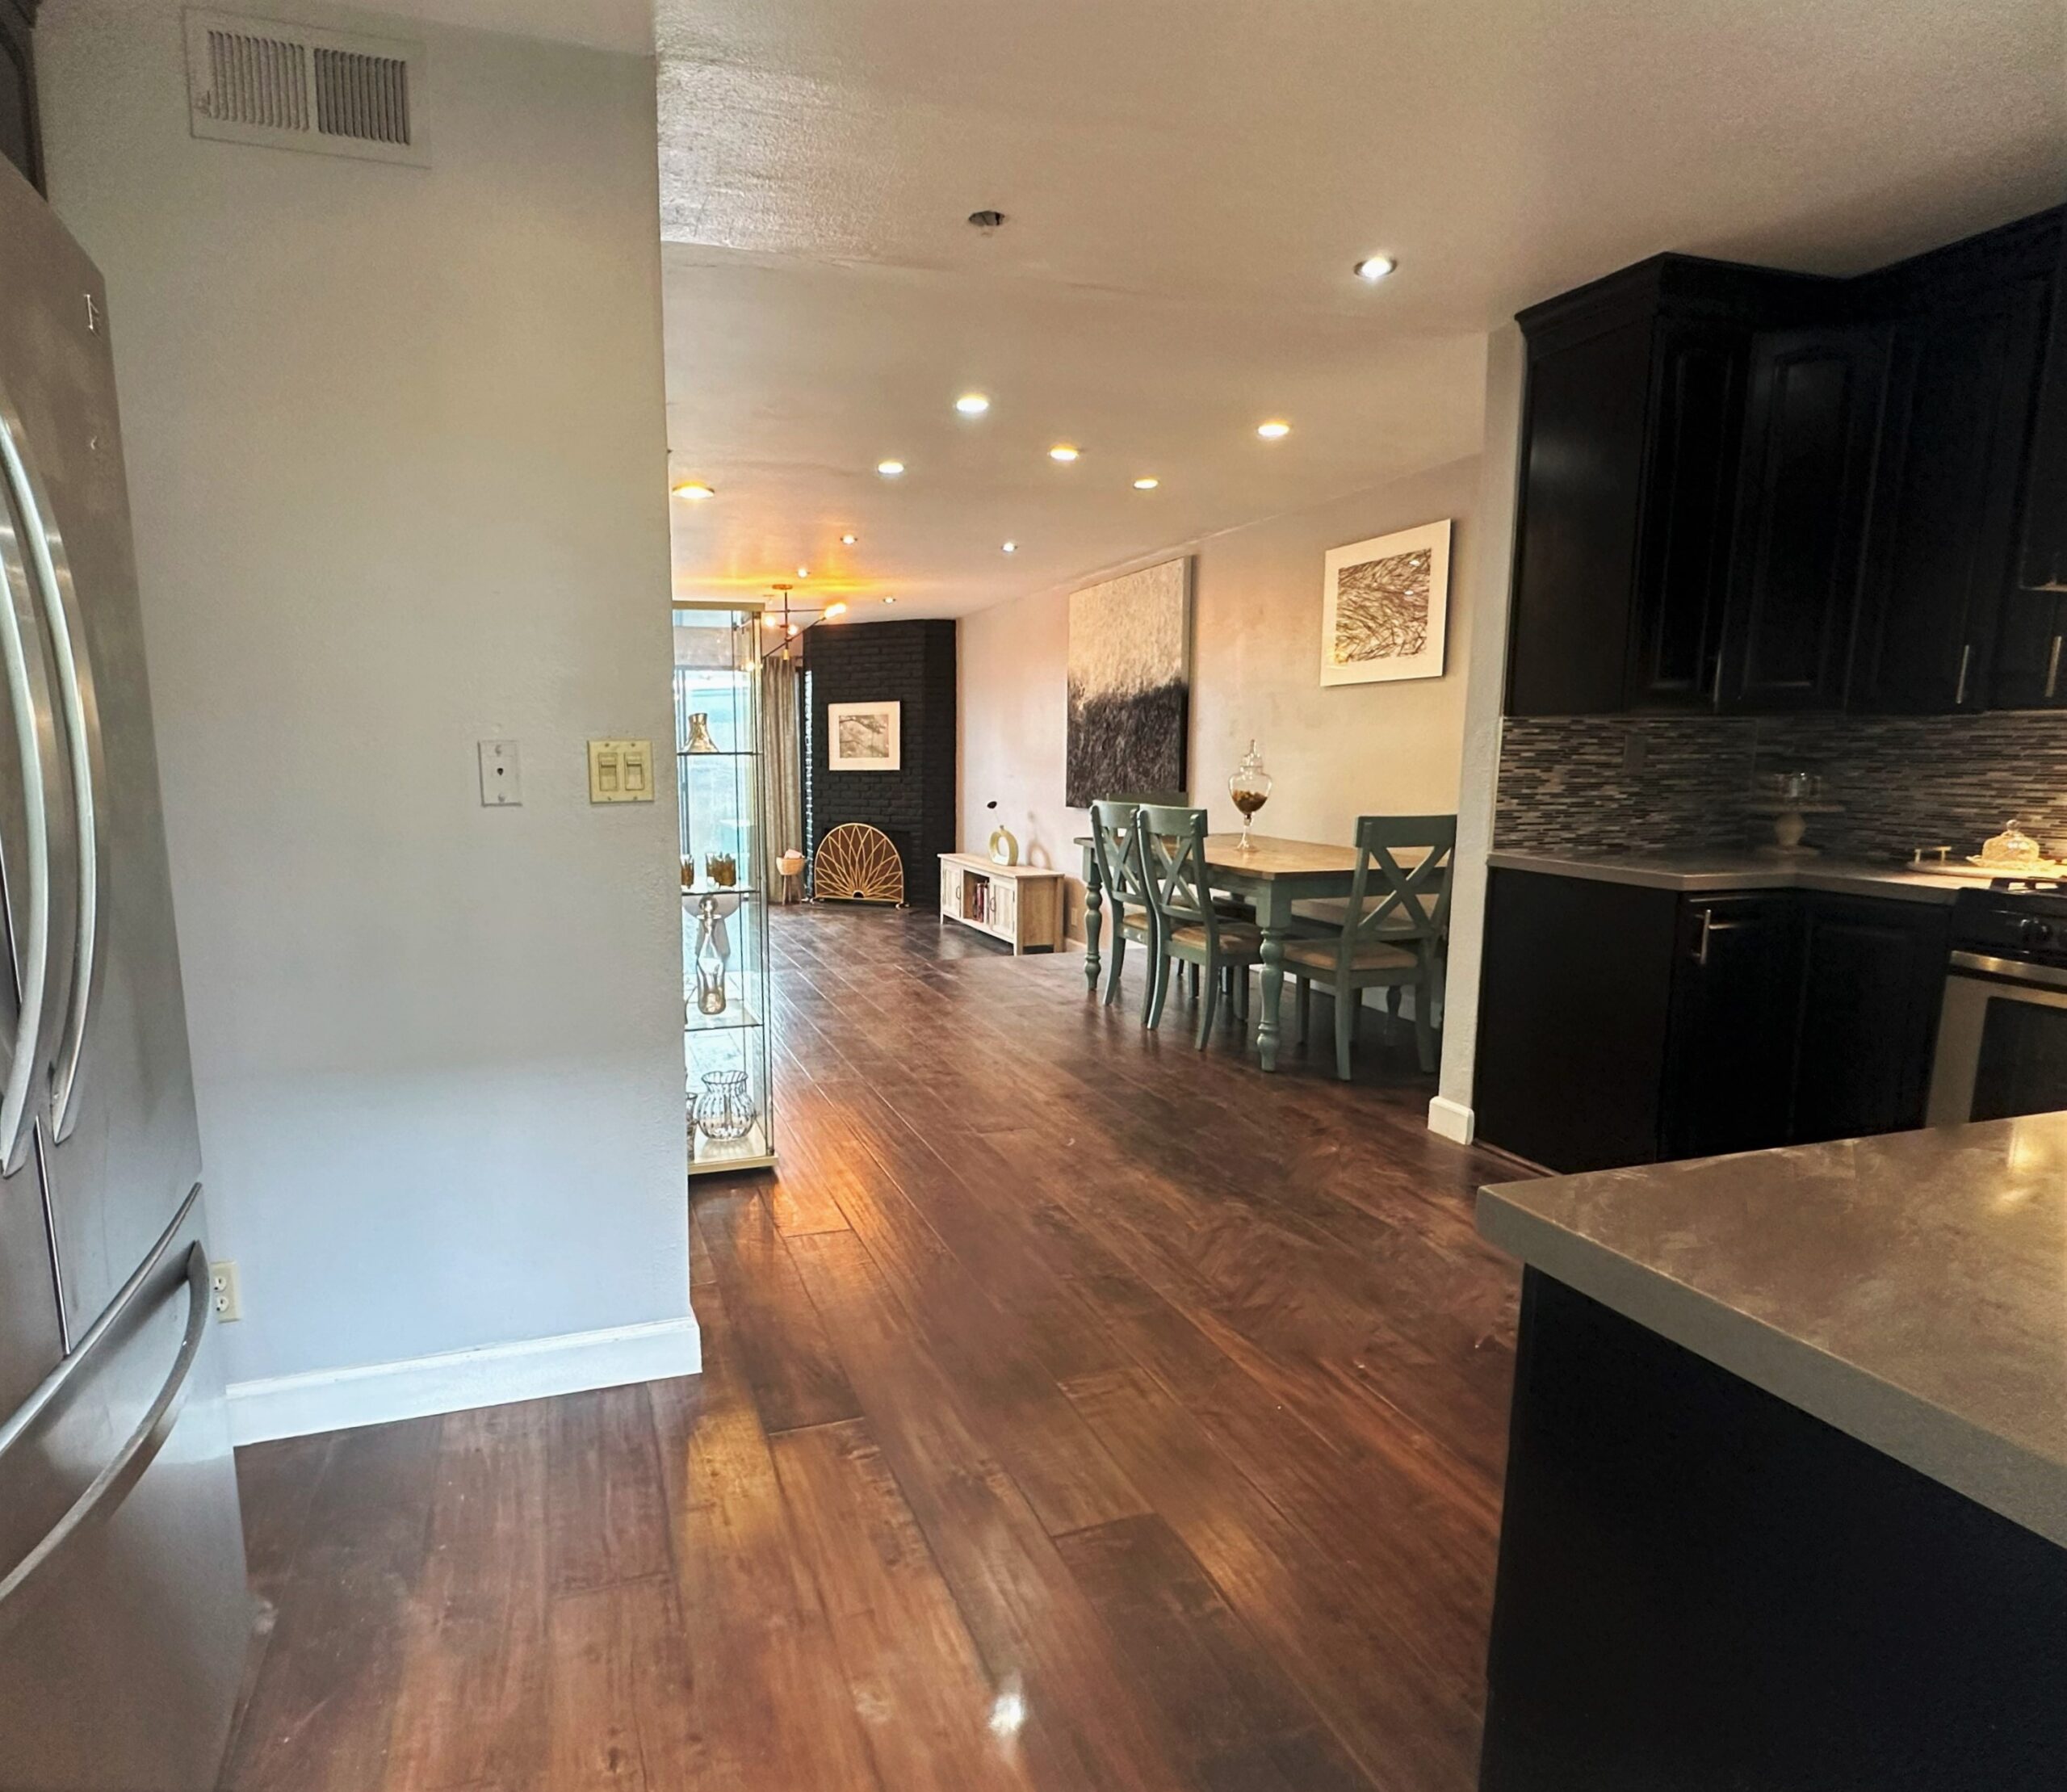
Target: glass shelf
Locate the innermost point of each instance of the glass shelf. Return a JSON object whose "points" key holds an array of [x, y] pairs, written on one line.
{"points": [[710, 1156], [718, 678]]}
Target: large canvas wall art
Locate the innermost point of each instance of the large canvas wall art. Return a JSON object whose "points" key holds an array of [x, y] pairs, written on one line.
{"points": [[1130, 684], [1386, 602]]}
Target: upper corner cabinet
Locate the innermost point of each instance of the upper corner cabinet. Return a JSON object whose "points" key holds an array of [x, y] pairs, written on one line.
{"points": [[730, 1092], [1967, 329], [1631, 433]]}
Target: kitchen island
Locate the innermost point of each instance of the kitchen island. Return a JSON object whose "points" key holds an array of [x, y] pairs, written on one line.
{"points": [[1787, 1496]]}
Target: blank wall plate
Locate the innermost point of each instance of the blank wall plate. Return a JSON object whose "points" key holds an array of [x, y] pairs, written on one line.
{"points": [[620, 772], [502, 775]]}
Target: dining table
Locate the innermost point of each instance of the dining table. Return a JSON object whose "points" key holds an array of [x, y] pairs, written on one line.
{"points": [[1271, 874]]}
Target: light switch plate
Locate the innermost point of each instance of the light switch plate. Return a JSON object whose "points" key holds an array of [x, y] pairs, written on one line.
{"points": [[620, 772], [502, 775]]}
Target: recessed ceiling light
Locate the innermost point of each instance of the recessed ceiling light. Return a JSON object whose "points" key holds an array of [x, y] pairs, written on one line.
{"points": [[1146, 485], [1274, 430], [835, 610], [1061, 450], [890, 600], [803, 572], [972, 404], [890, 469], [1012, 547], [1374, 268], [848, 541], [694, 490]]}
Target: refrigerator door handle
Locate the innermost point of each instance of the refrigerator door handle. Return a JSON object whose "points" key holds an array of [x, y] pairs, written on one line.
{"points": [[21, 660], [140, 1447], [51, 576]]}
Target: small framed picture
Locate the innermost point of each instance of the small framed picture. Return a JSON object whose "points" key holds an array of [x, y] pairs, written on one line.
{"points": [[1386, 602], [862, 737]]}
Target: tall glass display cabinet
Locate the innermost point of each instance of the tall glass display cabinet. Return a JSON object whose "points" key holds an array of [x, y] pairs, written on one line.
{"points": [[724, 886]]}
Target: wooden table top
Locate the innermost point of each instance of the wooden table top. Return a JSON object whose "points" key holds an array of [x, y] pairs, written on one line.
{"points": [[1270, 857]]}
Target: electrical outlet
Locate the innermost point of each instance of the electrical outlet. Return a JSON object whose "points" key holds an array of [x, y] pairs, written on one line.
{"points": [[224, 1291]]}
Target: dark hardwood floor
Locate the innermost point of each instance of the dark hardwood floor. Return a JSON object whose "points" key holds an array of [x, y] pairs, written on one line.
{"points": [[1078, 1411]]}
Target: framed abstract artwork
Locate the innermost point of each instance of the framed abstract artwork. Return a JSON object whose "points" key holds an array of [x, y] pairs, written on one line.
{"points": [[1386, 602], [1130, 684], [862, 737]]}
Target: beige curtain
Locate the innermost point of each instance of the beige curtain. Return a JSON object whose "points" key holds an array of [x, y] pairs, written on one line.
{"points": [[783, 791]]}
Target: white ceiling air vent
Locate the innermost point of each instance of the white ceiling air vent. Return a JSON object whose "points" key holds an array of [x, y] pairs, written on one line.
{"points": [[292, 87]]}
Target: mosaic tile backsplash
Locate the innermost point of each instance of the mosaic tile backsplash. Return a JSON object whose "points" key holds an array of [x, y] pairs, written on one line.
{"points": [[1903, 782]]}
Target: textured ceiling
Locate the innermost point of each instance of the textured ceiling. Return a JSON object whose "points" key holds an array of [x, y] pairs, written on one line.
{"points": [[1187, 182]]}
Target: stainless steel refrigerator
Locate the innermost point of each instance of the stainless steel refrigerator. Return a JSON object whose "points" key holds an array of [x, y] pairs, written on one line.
{"points": [[123, 1614]]}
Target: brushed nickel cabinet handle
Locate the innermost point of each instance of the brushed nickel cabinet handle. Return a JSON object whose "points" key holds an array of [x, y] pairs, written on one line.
{"points": [[1966, 659], [2052, 670]]}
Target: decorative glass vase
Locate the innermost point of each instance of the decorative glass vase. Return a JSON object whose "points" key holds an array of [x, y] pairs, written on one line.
{"points": [[1249, 787], [712, 950], [724, 1111], [699, 734]]}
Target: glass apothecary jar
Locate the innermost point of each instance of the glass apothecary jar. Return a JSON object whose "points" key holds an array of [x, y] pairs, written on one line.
{"points": [[728, 1096]]}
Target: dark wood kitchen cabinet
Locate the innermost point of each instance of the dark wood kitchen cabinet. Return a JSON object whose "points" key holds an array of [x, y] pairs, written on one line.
{"points": [[1872, 975], [1628, 483], [1745, 490], [2042, 564], [1620, 1024], [1729, 1045], [1812, 413], [1689, 494], [1939, 540], [1576, 1003]]}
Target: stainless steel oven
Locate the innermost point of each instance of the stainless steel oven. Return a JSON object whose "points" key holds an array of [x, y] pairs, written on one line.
{"points": [[2002, 1027]]}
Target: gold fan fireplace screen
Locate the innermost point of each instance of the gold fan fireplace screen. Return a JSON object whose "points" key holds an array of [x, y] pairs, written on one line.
{"points": [[857, 863]]}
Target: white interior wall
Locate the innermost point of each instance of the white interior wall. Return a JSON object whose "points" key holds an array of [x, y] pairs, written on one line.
{"points": [[397, 454], [1487, 597]]}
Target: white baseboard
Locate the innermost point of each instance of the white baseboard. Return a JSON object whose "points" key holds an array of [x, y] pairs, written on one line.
{"points": [[335, 1400], [1452, 1119]]}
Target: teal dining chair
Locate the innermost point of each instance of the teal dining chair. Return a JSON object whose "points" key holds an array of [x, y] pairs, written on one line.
{"points": [[1395, 930], [1189, 927], [1120, 870]]}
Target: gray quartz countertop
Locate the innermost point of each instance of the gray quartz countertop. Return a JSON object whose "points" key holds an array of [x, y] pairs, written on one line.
{"points": [[1909, 1290], [1721, 871]]}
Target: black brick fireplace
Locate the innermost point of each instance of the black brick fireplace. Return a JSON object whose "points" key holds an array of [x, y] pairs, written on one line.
{"points": [[911, 664]]}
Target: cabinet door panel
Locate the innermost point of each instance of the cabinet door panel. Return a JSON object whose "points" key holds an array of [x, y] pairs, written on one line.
{"points": [[1871, 975], [1689, 487], [1574, 548], [1815, 404], [1574, 990], [2044, 561], [1939, 546], [1730, 1057], [2031, 652]]}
